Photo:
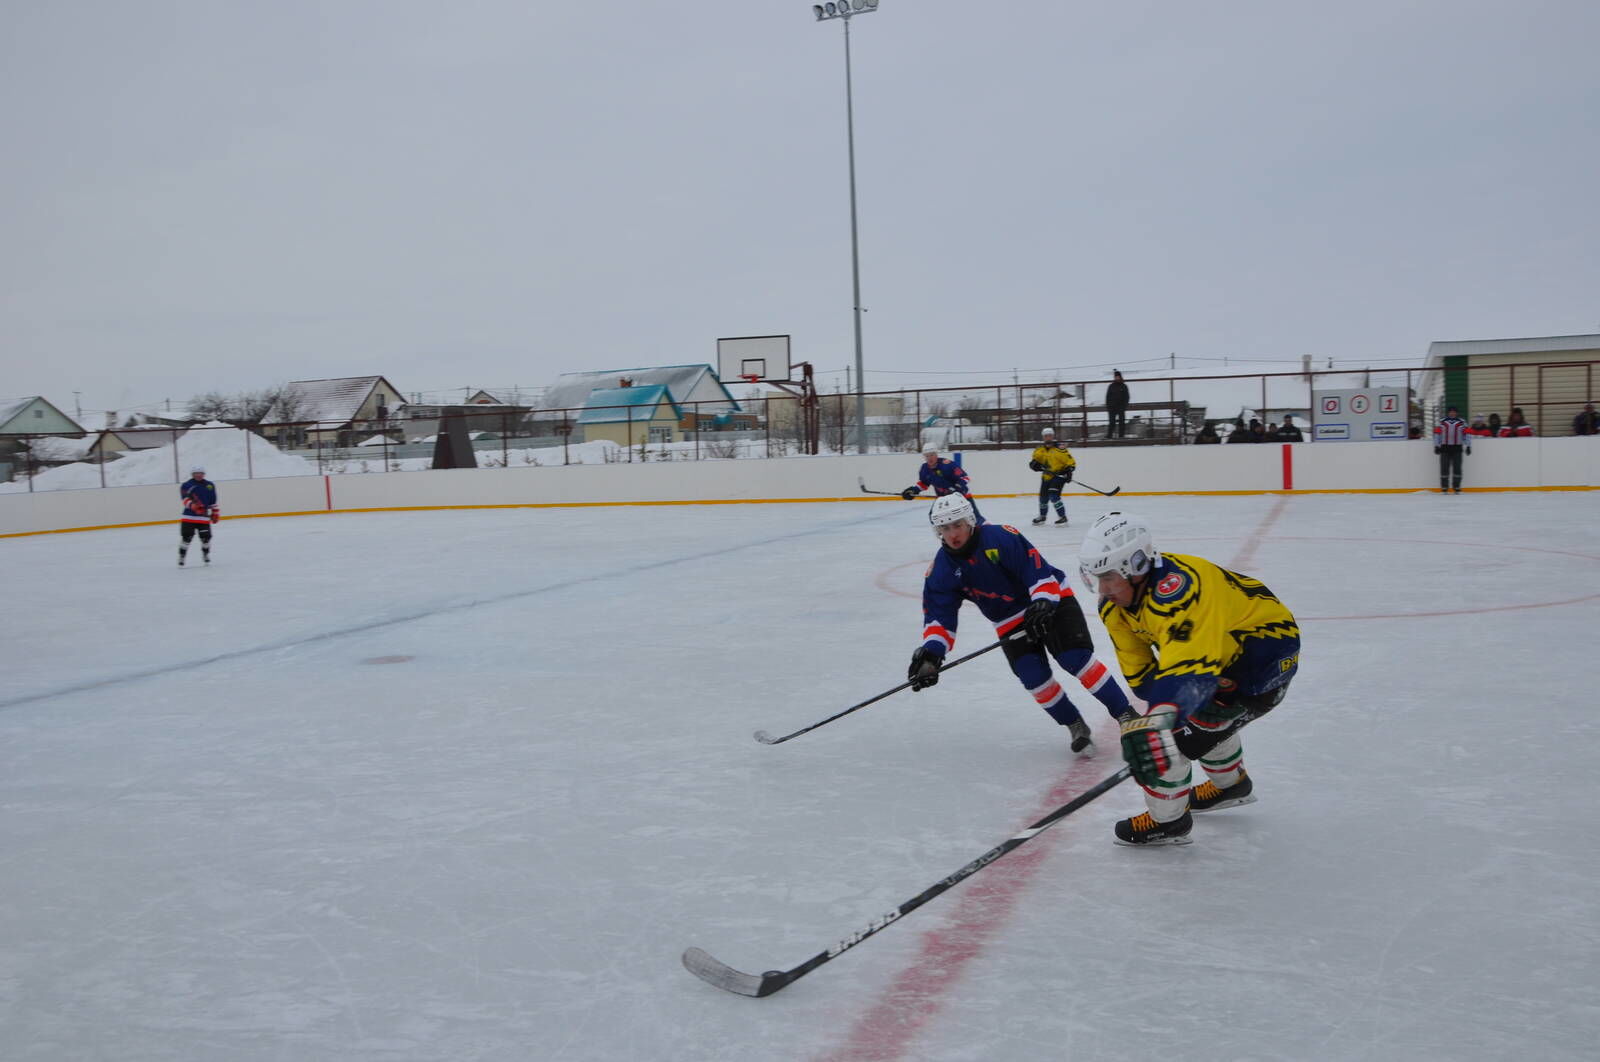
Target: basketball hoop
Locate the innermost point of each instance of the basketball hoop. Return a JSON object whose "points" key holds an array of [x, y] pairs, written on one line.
{"points": [[750, 377]]}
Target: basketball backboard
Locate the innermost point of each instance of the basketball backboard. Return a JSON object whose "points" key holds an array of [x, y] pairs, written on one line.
{"points": [[753, 359]]}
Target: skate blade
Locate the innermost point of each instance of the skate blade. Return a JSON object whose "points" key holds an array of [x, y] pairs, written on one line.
{"points": [[1220, 805], [1162, 843]]}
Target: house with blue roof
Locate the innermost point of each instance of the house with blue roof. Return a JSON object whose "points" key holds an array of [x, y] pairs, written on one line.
{"points": [[630, 416]]}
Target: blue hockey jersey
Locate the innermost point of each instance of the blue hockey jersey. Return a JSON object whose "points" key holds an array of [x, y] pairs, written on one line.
{"points": [[1001, 571], [199, 498], [946, 477]]}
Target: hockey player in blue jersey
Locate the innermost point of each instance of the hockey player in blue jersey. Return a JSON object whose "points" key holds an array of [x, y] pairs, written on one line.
{"points": [[200, 511], [997, 568], [944, 477]]}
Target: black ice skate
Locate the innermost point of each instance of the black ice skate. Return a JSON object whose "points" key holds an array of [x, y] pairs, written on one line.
{"points": [[1082, 743], [205, 555], [1061, 519], [181, 553], [1143, 829], [1039, 519], [1208, 796]]}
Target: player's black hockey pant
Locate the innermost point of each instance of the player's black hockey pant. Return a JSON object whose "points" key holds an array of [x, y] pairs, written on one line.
{"points": [[1050, 494], [1256, 682], [187, 530], [1449, 467], [1072, 647]]}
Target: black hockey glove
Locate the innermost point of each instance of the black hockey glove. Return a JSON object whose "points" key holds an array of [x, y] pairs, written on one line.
{"points": [[910, 492], [1068, 474], [1036, 621], [924, 669], [1217, 713], [1036, 466], [1148, 744]]}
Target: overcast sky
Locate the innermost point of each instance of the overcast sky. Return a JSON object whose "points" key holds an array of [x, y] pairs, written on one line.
{"points": [[212, 195]]}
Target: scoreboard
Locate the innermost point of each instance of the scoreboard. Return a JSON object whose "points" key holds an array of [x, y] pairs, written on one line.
{"points": [[1362, 414]]}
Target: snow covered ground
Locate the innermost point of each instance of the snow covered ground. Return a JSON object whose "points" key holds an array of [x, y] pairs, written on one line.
{"points": [[464, 785]]}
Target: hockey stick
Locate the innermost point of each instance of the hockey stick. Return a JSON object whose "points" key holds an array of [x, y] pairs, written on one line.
{"points": [[866, 490], [1097, 490], [715, 972], [767, 739]]}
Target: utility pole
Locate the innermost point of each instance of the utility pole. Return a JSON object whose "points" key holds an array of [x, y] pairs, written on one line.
{"points": [[844, 11]]}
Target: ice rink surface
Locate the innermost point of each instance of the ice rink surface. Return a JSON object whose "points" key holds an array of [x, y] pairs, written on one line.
{"points": [[464, 785]]}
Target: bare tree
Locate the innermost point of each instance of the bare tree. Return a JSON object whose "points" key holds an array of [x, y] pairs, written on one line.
{"points": [[246, 408], [836, 419], [251, 406], [213, 405]]}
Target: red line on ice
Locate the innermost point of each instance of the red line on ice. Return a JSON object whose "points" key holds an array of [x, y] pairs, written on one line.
{"points": [[886, 1031]]}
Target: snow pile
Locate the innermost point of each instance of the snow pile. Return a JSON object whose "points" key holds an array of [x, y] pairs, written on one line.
{"points": [[58, 448], [219, 447]]}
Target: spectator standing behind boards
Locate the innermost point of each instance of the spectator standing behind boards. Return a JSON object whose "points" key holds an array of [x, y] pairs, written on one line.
{"points": [[1587, 422], [1450, 437], [1516, 426], [1494, 425], [1287, 432], [1239, 434], [1117, 407], [1208, 434], [1258, 433], [1478, 428]]}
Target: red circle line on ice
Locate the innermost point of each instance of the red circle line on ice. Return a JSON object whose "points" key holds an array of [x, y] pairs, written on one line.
{"points": [[883, 580]]}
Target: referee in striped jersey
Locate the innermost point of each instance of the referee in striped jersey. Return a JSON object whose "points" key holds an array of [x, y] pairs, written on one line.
{"points": [[1450, 438]]}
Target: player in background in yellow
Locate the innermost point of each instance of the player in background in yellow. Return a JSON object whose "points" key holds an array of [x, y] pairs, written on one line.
{"points": [[1054, 465]]}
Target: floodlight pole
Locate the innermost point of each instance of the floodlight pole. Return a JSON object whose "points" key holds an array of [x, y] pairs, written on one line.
{"points": [[844, 11]]}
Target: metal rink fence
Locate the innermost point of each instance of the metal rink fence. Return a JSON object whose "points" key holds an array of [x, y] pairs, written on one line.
{"points": [[1161, 411]]}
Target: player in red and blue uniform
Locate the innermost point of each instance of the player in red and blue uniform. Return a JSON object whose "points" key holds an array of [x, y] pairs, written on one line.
{"points": [[1024, 596], [943, 477], [200, 511]]}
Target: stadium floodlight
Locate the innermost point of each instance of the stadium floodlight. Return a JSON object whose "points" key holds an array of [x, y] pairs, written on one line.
{"points": [[845, 10]]}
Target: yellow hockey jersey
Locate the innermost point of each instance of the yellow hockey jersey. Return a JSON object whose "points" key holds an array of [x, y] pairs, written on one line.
{"points": [[1055, 460], [1190, 621]]}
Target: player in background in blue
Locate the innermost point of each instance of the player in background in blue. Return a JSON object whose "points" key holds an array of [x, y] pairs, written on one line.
{"points": [[200, 511], [943, 477], [1019, 592]]}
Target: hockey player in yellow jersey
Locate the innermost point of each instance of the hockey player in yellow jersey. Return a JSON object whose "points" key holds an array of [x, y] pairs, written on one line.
{"points": [[1054, 465], [1206, 649]]}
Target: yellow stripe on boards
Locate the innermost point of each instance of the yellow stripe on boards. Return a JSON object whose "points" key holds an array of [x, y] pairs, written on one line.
{"points": [[783, 501]]}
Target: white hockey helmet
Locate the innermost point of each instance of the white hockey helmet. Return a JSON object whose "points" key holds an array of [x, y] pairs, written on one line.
{"points": [[951, 509], [1048, 433], [196, 468], [1117, 543], [930, 449]]}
